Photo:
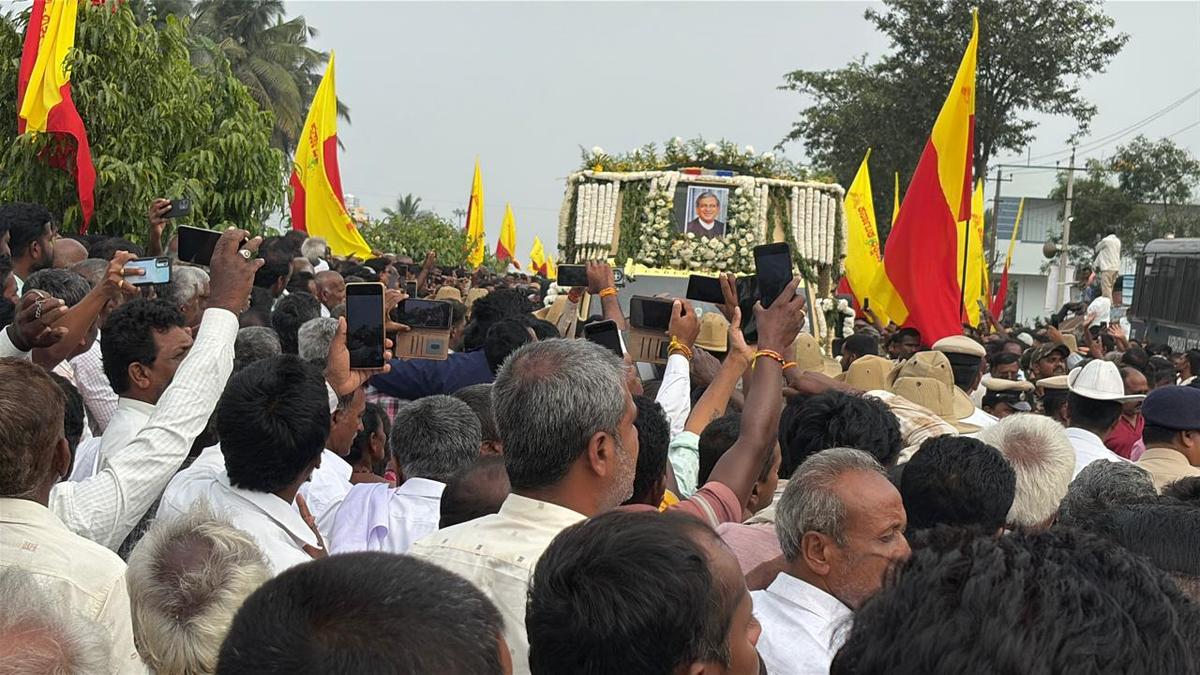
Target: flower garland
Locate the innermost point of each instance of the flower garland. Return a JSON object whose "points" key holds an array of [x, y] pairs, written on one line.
{"points": [[662, 245]]}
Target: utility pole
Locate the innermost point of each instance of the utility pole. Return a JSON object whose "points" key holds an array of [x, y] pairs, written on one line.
{"points": [[992, 241], [1066, 236]]}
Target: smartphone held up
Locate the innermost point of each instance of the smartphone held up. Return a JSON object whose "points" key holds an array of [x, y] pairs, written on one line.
{"points": [[365, 325]]}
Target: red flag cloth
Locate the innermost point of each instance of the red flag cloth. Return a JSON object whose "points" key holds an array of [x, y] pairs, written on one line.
{"points": [[63, 119], [1001, 295]]}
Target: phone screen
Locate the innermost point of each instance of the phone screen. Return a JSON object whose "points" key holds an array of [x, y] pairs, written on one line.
{"points": [[774, 267], [650, 313], [434, 314], [410, 289], [705, 289], [154, 271], [572, 275], [196, 244], [364, 324], [605, 334]]}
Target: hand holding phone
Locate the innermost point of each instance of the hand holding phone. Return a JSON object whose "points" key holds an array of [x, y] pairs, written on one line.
{"points": [[606, 334], [705, 289], [774, 270], [364, 324], [154, 271], [652, 314], [196, 244], [570, 276], [179, 208]]}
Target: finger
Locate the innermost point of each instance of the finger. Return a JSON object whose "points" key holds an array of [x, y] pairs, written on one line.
{"points": [[122, 257], [302, 506], [132, 272], [789, 291], [735, 324], [252, 245], [339, 336], [52, 316], [677, 309], [687, 306], [229, 241]]}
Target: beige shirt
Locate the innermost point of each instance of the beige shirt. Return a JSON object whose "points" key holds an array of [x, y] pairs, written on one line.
{"points": [[1166, 466], [497, 553], [89, 577]]}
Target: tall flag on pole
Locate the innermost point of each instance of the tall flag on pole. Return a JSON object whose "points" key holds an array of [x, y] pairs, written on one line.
{"points": [[475, 232], [551, 268], [970, 236], [507, 245], [44, 101], [863, 258], [537, 258], [317, 203], [917, 286], [1002, 291], [896, 198]]}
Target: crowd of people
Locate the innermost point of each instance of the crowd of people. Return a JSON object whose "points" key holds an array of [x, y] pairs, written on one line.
{"points": [[194, 480]]}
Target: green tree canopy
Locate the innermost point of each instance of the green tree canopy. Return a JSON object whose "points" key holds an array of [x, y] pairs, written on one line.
{"points": [[1033, 54], [157, 125]]}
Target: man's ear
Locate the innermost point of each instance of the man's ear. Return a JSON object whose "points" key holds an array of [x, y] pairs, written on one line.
{"points": [[601, 454], [816, 548], [61, 461], [139, 376]]}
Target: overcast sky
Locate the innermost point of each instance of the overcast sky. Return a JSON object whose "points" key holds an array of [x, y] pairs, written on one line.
{"points": [[524, 85]]}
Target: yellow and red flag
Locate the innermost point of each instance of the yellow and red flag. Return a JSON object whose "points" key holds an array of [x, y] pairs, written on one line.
{"points": [[475, 232], [551, 268], [970, 237], [918, 286], [537, 258], [507, 245], [44, 102], [863, 256], [317, 203], [896, 197], [1002, 291]]}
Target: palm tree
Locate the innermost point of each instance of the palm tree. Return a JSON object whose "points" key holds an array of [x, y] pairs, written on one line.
{"points": [[408, 207], [269, 55]]}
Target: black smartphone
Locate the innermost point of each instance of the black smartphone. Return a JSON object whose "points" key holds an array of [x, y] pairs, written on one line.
{"points": [[650, 313], [410, 289], [867, 304], [605, 334], [402, 270], [773, 263], [179, 208], [572, 275], [431, 314], [196, 244], [154, 271], [364, 324], [705, 289]]}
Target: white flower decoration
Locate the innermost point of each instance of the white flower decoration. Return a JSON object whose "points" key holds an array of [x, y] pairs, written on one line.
{"points": [[768, 155], [597, 151], [749, 149], [711, 147]]}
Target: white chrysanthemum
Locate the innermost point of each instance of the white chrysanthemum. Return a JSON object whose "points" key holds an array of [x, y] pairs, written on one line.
{"points": [[597, 151], [711, 147], [749, 149]]}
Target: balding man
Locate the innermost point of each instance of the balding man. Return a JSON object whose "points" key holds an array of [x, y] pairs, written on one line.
{"points": [[331, 290], [68, 252]]}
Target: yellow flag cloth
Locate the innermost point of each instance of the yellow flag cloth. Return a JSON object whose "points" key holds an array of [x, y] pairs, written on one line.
{"points": [[863, 256], [507, 246], [475, 233], [537, 258], [970, 235]]}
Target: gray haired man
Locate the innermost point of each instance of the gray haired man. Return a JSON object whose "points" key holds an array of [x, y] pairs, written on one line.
{"points": [[841, 527], [188, 292]]}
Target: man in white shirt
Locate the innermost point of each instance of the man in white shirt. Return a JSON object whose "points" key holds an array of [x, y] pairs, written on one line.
{"points": [[1108, 263], [841, 527], [33, 457], [143, 346], [432, 439], [331, 480], [1095, 394], [331, 290]]}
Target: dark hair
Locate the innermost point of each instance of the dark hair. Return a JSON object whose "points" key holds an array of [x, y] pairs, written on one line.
{"points": [[1091, 414], [503, 338], [965, 368], [1002, 359], [716, 439], [32, 408], [1185, 489], [293, 239], [106, 248], [1192, 356], [25, 222], [62, 284], [412, 617], [909, 331], [625, 593], [475, 491], [1168, 534], [654, 437], [73, 416], [955, 480], [8, 310], [1160, 371], [373, 418], [861, 344], [478, 398], [1153, 434], [1031, 602], [273, 419], [544, 330], [278, 256], [298, 283], [835, 419], [1136, 357], [503, 303], [128, 337], [292, 311]]}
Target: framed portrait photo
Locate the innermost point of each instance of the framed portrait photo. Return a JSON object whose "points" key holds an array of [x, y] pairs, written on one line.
{"points": [[704, 211]]}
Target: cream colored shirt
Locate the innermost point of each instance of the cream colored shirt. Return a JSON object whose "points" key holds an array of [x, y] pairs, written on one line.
{"points": [[497, 553], [1166, 466], [89, 577]]}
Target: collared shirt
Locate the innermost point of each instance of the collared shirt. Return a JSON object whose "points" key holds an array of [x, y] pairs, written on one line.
{"points": [[917, 423], [1108, 254], [98, 395], [1089, 448], [106, 506], [802, 626], [132, 416], [378, 517], [325, 310], [87, 459], [497, 553], [1126, 439], [1166, 465], [326, 487], [415, 378], [8, 350], [675, 393], [275, 525], [980, 419], [89, 578], [684, 455], [1101, 311]]}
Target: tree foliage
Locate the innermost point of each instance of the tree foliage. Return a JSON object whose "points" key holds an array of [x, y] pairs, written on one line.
{"points": [[415, 236], [157, 125], [1033, 54], [1144, 191], [407, 207]]}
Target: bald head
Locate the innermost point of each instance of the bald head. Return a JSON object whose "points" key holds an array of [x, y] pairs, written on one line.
{"points": [[331, 288], [68, 252]]}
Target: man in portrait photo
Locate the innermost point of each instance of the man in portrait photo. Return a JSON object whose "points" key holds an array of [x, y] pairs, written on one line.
{"points": [[708, 210]]}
